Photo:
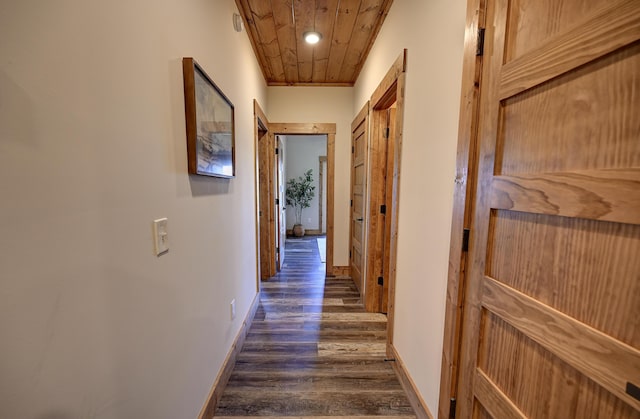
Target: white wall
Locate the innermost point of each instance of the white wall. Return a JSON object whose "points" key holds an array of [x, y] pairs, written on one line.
{"points": [[303, 152], [92, 149], [433, 32], [326, 105]]}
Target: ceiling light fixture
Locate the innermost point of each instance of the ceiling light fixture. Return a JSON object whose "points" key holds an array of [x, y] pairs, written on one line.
{"points": [[312, 37]]}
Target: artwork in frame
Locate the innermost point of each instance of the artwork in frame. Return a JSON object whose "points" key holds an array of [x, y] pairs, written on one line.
{"points": [[210, 124]]}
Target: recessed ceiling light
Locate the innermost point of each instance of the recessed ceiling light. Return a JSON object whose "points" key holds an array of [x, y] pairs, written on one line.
{"points": [[312, 37]]}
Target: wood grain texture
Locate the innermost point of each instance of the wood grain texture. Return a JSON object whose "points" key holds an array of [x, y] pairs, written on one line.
{"points": [[582, 120], [551, 305], [463, 199], [388, 93], [357, 225], [533, 378], [607, 361], [306, 357], [276, 28], [395, 200], [262, 18], [260, 127], [380, 96], [607, 30], [375, 219], [345, 20], [494, 400], [582, 268], [531, 24], [224, 375], [609, 195], [266, 214]]}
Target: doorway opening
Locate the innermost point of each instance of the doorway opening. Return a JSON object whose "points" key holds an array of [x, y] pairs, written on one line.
{"points": [[275, 220], [303, 154], [377, 158]]}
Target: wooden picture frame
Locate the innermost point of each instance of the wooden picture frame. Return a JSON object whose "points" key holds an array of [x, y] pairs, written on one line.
{"points": [[210, 124]]}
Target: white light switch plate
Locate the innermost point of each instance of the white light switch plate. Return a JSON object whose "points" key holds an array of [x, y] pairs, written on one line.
{"points": [[160, 236]]}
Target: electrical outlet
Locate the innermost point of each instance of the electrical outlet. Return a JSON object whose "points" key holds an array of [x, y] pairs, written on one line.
{"points": [[233, 309]]}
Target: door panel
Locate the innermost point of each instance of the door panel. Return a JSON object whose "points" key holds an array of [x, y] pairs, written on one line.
{"points": [[359, 140], [267, 257], [552, 311], [388, 192]]}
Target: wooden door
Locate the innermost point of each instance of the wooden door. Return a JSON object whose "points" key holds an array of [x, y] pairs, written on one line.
{"points": [[266, 208], [359, 140], [281, 235], [388, 200], [552, 313]]}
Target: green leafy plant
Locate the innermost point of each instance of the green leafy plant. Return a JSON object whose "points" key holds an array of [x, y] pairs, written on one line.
{"points": [[300, 192]]}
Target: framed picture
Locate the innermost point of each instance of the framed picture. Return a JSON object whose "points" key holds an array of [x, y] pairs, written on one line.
{"points": [[210, 124]]}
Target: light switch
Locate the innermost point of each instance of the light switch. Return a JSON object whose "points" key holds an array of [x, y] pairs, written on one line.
{"points": [[160, 236]]}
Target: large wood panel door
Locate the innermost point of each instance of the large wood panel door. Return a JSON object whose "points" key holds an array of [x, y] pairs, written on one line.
{"points": [[552, 312], [359, 145]]}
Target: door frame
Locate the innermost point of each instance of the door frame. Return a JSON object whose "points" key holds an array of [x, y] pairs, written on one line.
{"points": [[265, 246], [361, 119], [465, 184], [322, 160], [390, 90], [280, 202], [328, 129]]}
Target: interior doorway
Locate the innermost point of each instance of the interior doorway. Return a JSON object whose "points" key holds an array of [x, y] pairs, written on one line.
{"points": [[306, 153], [276, 224], [385, 142], [380, 183], [265, 179]]}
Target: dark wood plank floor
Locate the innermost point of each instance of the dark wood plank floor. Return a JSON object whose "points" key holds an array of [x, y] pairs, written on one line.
{"points": [[312, 350]]}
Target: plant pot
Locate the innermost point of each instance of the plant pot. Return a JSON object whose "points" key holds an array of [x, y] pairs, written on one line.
{"points": [[298, 230]]}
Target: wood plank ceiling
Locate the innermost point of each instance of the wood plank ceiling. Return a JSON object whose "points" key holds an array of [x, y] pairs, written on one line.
{"points": [[348, 28]]}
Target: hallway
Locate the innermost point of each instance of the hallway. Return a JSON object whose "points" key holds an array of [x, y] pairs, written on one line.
{"points": [[312, 350]]}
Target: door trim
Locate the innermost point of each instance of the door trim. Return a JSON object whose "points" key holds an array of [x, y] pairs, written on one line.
{"points": [[391, 89], [328, 129], [463, 202], [321, 193], [261, 123], [362, 118]]}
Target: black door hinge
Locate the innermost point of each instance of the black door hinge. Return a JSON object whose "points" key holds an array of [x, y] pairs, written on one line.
{"points": [[386, 133], [277, 201], [480, 43], [352, 202], [383, 209], [277, 150], [465, 239], [633, 390], [452, 408], [380, 280], [349, 254], [352, 149]]}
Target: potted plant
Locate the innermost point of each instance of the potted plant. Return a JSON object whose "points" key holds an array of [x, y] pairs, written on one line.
{"points": [[299, 195]]}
